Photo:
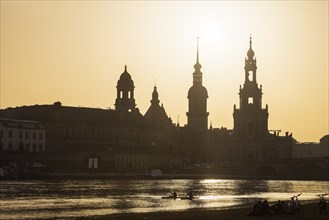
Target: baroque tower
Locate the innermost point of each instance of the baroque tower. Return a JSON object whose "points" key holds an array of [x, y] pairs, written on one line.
{"points": [[197, 115], [125, 93], [251, 119]]}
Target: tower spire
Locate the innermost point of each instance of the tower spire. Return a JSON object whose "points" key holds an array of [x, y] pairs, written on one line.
{"points": [[155, 96], [197, 50], [250, 52], [197, 65]]}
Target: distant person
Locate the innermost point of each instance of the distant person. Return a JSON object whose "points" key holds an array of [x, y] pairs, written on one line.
{"points": [[276, 208], [299, 207], [265, 208], [256, 209], [323, 205], [174, 194], [279, 207], [285, 208], [295, 205]]}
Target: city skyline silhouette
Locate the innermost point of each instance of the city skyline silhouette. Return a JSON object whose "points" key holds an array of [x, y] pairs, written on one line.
{"points": [[75, 53]]}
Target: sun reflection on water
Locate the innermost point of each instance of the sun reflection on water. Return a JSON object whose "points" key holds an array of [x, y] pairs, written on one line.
{"points": [[49, 199]]}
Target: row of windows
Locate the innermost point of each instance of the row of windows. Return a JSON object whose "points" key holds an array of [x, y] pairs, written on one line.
{"points": [[78, 132], [130, 168], [21, 134], [27, 147], [130, 160]]}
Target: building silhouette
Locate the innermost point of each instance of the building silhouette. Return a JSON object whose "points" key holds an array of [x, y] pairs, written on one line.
{"points": [[125, 101], [122, 140], [197, 115], [250, 145], [251, 119]]}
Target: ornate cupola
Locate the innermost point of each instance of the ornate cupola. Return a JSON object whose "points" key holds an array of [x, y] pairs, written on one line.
{"points": [[197, 115], [125, 93], [251, 119], [156, 114]]}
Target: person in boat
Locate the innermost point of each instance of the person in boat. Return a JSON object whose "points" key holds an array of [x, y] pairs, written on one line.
{"points": [[174, 195], [189, 194]]}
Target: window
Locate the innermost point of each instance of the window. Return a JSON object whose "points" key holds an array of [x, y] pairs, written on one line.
{"points": [[40, 136], [250, 75], [40, 147], [1, 133], [250, 100], [27, 147], [34, 147], [10, 146], [1, 146], [93, 162], [10, 134], [26, 135], [34, 135], [21, 146]]}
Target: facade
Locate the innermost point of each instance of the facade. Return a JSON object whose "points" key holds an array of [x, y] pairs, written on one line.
{"points": [[311, 150], [22, 136], [83, 139]]}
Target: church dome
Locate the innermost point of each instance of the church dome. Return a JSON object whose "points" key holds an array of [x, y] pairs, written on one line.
{"points": [[250, 53], [198, 91], [125, 79]]}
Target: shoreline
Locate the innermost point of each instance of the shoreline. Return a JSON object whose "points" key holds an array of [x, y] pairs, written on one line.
{"points": [[140, 176], [311, 212]]}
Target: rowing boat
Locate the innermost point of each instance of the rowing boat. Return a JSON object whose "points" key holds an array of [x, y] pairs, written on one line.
{"points": [[189, 198], [168, 197]]}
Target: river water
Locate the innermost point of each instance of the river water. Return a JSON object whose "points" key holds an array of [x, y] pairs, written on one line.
{"points": [[88, 198]]}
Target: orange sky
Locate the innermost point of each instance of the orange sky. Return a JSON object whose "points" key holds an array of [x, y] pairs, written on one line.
{"points": [[74, 52]]}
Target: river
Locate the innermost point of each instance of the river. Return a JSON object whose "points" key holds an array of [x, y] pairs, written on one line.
{"points": [[76, 198]]}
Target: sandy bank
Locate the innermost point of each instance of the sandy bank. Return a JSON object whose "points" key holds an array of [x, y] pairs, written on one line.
{"points": [[311, 212]]}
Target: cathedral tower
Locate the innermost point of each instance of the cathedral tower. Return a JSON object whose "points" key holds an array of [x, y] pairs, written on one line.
{"points": [[197, 115], [125, 93], [251, 119]]}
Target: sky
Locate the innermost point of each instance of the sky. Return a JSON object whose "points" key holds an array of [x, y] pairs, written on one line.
{"points": [[75, 51]]}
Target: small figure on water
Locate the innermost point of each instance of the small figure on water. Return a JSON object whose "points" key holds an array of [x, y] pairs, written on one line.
{"points": [[174, 195], [189, 194]]}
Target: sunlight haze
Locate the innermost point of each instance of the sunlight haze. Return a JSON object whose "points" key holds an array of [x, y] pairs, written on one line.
{"points": [[74, 52]]}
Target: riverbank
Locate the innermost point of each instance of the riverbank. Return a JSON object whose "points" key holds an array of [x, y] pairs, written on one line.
{"points": [[311, 212], [143, 176]]}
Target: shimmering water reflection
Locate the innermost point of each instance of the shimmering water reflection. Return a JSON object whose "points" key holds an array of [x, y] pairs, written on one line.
{"points": [[64, 199]]}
